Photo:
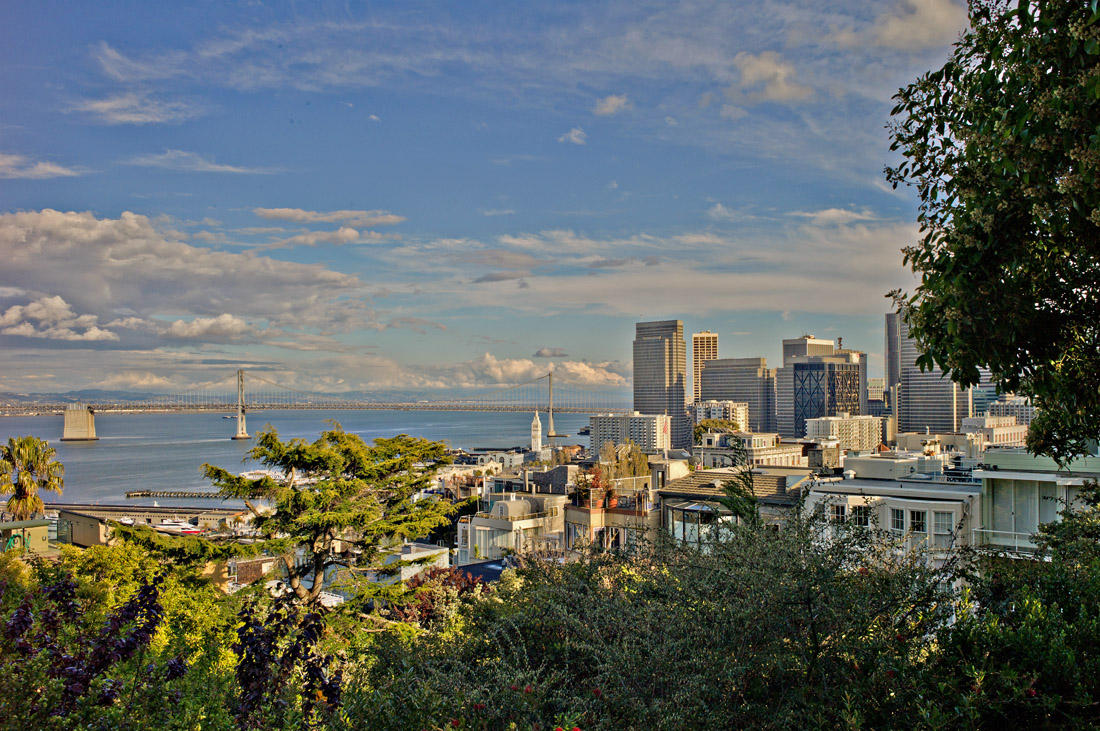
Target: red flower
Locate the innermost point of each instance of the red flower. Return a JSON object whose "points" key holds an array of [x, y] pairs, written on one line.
{"points": [[515, 687], [558, 728], [863, 571], [890, 673], [527, 689], [1031, 692], [454, 722], [596, 692], [576, 728], [479, 706]]}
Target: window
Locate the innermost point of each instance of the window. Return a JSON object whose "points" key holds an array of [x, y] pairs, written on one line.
{"points": [[897, 520], [838, 512], [918, 521], [943, 525], [861, 515]]}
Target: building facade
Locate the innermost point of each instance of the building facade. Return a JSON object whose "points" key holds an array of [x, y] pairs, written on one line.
{"points": [[651, 432], [747, 380], [1017, 406], [704, 347], [811, 386], [660, 375], [852, 433], [724, 449], [735, 411], [927, 400], [996, 431]]}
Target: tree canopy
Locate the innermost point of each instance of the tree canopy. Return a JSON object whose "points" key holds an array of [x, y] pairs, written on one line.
{"points": [[1003, 147], [339, 502]]}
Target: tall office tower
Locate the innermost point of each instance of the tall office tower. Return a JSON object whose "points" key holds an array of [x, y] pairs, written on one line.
{"points": [[742, 379], [985, 393], [660, 373], [704, 347], [927, 400], [822, 385], [892, 353], [807, 345], [861, 358]]}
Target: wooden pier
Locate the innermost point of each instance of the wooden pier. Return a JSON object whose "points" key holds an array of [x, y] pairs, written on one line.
{"points": [[201, 494]]}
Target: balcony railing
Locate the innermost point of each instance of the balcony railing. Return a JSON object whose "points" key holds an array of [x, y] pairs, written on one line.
{"points": [[513, 518], [1005, 539]]}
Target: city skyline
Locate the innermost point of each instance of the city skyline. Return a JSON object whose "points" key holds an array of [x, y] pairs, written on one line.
{"points": [[382, 198]]}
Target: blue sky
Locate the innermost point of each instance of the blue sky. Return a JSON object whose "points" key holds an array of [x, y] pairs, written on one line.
{"points": [[425, 196]]}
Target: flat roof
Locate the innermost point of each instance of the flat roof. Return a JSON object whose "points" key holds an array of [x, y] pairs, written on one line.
{"points": [[17, 524]]}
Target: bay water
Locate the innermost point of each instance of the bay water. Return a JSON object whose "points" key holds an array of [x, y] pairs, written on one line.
{"points": [[166, 451]]}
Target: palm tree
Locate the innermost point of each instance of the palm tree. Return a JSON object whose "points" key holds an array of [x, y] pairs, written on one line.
{"points": [[27, 465]]}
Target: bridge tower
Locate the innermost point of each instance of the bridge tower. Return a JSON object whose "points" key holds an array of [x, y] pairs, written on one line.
{"points": [[242, 433], [551, 435]]}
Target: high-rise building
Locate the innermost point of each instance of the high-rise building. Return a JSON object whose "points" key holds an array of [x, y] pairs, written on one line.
{"points": [[660, 375], [704, 347], [742, 379], [852, 433], [735, 411], [806, 345], [892, 353], [820, 385], [927, 400], [649, 431], [1010, 405]]}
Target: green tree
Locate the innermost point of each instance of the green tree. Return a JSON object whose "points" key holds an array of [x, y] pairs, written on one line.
{"points": [[340, 503], [716, 425], [1002, 146], [27, 465]]}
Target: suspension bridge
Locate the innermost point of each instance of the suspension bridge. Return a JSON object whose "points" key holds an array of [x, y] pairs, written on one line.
{"points": [[256, 392]]}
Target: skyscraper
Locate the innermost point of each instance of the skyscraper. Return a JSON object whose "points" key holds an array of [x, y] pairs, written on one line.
{"points": [[743, 379], [660, 375], [926, 400], [704, 347], [801, 347], [892, 353]]}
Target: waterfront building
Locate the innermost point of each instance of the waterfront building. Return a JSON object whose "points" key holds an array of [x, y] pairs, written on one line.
{"points": [[704, 347], [746, 380], [852, 433], [651, 432], [996, 431], [536, 434], [660, 374], [1016, 406], [735, 411], [726, 449]]}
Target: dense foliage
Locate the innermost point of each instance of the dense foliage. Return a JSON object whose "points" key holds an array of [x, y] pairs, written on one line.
{"points": [[339, 503], [1002, 146]]}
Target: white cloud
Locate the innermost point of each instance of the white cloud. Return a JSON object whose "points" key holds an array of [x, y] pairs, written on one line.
{"points": [[731, 111], [19, 166], [352, 218], [498, 212], [719, 212], [134, 108], [374, 118], [548, 352], [766, 77], [52, 318], [916, 24], [574, 136], [342, 235], [190, 162], [610, 105], [224, 326], [129, 266], [137, 380], [671, 122], [835, 216]]}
